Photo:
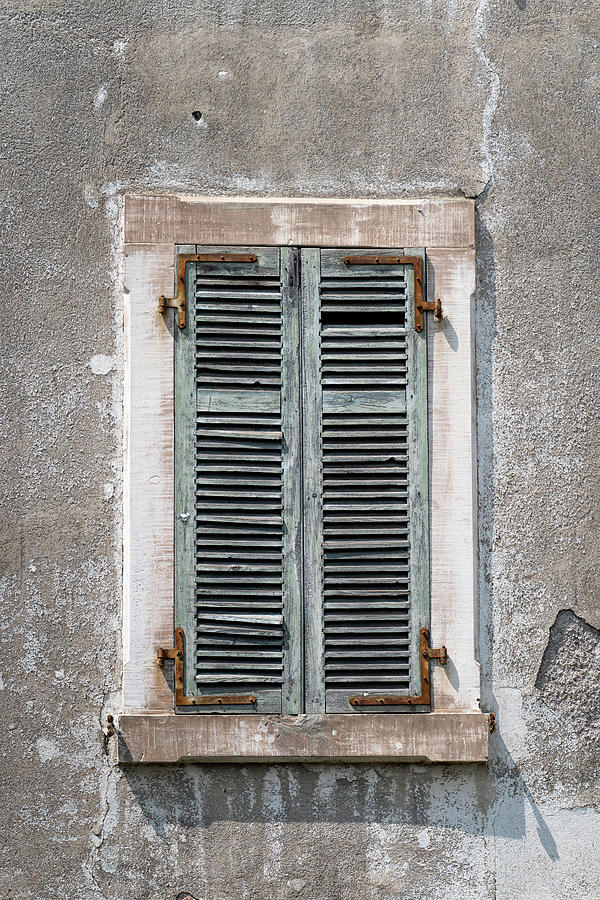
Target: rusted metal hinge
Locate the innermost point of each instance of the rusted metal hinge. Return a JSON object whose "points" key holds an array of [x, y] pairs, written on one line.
{"points": [[426, 653], [376, 260], [177, 653], [109, 728], [492, 722], [416, 262], [178, 301]]}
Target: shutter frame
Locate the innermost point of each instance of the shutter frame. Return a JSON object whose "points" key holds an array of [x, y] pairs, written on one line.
{"points": [[312, 406], [325, 696], [185, 482], [225, 401], [417, 408], [291, 411]]}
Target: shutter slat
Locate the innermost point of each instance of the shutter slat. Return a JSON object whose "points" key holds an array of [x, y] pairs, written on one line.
{"points": [[210, 332], [243, 294], [234, 345], [238, 680]]}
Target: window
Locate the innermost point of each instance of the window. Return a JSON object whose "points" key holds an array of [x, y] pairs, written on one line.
{"points": [[311, 421], [301, 513]]}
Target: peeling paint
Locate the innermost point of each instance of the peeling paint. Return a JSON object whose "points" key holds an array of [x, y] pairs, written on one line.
{"points": [[47, 749], [101, 364], [100, 98]]}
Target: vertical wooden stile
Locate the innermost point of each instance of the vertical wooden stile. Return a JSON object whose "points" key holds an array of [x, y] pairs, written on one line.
{"points": [[291, 400], [185, 480], [312, 404], [418, 469]]}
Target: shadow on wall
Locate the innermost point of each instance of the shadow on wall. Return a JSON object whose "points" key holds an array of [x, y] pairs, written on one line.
{"points": [[506, 814], [476, 800]]}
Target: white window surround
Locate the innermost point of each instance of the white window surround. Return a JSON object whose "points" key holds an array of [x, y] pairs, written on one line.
{"points": [[149, 730]]}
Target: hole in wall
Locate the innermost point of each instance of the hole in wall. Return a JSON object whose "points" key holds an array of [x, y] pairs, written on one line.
{"points": [[196, 115]]}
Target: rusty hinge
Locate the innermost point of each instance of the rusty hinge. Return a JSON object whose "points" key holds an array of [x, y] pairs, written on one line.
{"points": [[177, 653], [492, 722], [426, 653], [416, 262], [109, 728], [178, 301], [375, 260]]}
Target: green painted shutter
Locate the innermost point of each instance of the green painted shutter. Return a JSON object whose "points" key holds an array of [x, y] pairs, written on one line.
{"points": [[301, 466], [237, 474], [366, 563]]}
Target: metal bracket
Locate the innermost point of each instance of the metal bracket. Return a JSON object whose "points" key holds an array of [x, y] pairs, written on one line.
{"points": [[416, 262], [177, 653], [376, 260], [426, 653], [109, 728], [434, 306], [178, 301]]}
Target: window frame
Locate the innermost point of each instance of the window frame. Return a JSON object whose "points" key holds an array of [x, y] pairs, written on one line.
{"points": [[154, 227]]}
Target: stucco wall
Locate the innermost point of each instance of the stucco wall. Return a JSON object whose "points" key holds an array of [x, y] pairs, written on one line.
{"points": [[496, 99]]}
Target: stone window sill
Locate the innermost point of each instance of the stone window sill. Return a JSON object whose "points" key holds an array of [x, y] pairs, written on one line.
{"points": [[439, 737]]}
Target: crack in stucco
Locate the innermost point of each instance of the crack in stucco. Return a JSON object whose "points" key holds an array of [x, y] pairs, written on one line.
{"points": [[107, 791], [92, 879], [111, 696], [492, 844], [108, 785], [494, 90]]}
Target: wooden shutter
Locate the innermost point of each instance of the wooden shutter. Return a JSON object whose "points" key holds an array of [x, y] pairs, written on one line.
{"points": [[237, 497], [366, 566]]}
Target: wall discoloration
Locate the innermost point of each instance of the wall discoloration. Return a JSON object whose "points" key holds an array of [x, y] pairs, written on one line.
{"points": [[490, 98]]}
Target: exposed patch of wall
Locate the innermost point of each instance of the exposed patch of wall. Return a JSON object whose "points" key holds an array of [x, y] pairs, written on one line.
{"points": [[563, 712], [492, 98]]}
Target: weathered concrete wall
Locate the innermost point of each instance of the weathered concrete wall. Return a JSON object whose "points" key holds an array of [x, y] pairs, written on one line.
{"points": [[497, 99]]}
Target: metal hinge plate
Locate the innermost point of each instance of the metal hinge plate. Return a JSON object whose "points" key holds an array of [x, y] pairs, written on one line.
{"points": [[421, 305], [177, 653], [178, 302], [426, 653]]}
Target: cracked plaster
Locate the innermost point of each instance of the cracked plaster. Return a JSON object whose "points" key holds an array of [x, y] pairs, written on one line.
{"points": [[495, 99]]}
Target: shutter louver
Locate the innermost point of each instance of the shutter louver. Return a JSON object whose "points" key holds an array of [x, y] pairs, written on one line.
{"points": [[367, 565], [235, 432], [301, 470]]}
